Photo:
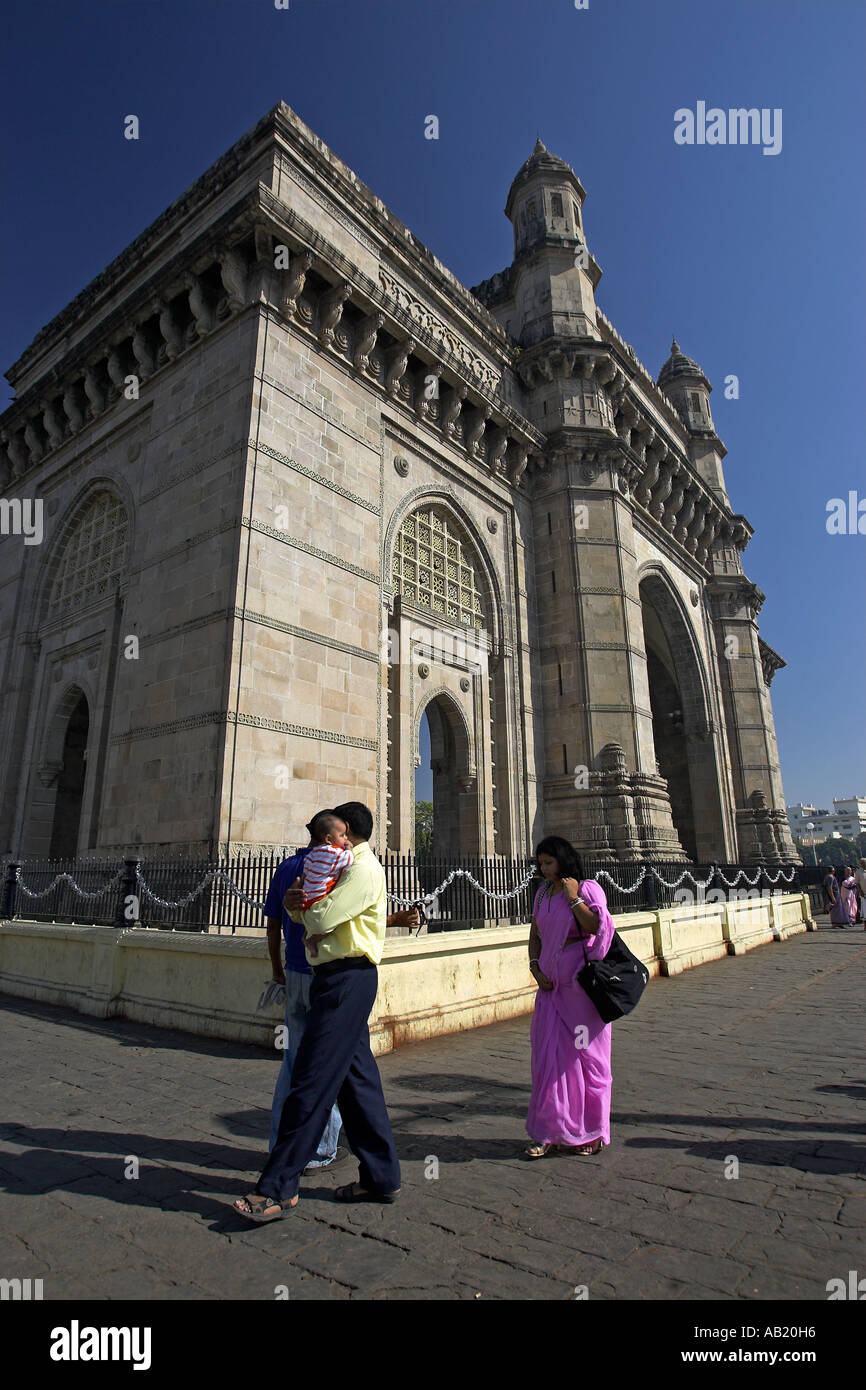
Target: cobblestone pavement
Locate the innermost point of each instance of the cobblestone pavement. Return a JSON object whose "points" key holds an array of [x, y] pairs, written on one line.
{"points": [[757, 1057]]}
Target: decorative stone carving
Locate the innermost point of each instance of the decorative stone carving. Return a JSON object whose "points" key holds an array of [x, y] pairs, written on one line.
{"points": [[684, 519], [116, 375], [423, 670], [427, 405], [439, 331], [331, 311], [466, 782], [367, 334], [589, 472], [694, 598], [453, 409], [172, 338], [53, 425], [94, 393], [674, 503], [402, 466], [496, 454], [517, 465], [33, 441], [492, 525], [233, 273], [648, 480], [142, 352], [662, 489], [476, 432], [294, 283], [465, 683], [397, 365], [202, 313]]}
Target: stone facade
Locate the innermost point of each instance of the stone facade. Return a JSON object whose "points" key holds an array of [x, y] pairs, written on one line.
{"points": [[301, 486]]}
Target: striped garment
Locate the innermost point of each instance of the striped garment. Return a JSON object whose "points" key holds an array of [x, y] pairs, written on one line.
{"points": [[322, 868]]}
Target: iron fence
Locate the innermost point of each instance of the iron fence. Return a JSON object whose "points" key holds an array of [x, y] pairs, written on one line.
{"points": [[226, 894]]}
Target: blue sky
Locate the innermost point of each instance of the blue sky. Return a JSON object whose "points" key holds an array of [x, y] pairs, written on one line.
{"points": [[754, 261]]}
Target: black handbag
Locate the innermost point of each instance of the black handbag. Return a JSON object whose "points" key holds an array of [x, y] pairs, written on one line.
{"points": [[616, 983]]}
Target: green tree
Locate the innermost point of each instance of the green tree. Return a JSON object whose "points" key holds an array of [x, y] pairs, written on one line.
{"points": [[423, 827], [841, 851]]}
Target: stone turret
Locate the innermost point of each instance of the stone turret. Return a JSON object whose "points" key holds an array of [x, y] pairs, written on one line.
{"points": [[554, 276], [687, 387]]}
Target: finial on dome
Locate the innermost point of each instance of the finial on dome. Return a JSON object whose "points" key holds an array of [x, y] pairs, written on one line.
{"points": [[675, 347], [540, 147]]}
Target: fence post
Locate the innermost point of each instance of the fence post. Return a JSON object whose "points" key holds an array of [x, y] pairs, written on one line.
{"points": [[128, 889], [649, 888], [13, 875], [715, 879]]}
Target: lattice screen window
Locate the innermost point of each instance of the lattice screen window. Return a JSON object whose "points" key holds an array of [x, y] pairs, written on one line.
{"points": [[433, 568], [93, 555]]}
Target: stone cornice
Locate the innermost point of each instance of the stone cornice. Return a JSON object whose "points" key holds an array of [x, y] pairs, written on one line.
{"points": [[237, 219], [165, 228]]}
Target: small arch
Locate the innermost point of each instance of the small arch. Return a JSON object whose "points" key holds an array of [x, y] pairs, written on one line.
{"points": [[66, 767], [455, 781]]}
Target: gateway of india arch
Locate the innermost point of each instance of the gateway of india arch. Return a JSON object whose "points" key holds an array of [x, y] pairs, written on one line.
{"points": [[300, 488]]}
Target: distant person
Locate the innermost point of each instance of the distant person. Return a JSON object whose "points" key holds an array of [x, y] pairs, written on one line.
{"points": [[848, 890], [571, 1078], [829, 889], [860, 877], [838, 907]]}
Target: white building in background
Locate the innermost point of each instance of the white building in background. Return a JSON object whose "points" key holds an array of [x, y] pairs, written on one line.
{"points": [[847, 819]]}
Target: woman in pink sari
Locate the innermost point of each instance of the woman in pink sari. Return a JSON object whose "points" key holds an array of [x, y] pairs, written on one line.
{"points": [[571, 1077]]}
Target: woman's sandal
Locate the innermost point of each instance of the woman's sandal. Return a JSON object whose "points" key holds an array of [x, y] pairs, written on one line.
{"points": [[587, 1150], [539, 1150], [354, 1192], [258, 1207]]}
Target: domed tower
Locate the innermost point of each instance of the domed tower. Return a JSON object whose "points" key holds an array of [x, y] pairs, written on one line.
{"points": [[553, 278], [688, 389]]}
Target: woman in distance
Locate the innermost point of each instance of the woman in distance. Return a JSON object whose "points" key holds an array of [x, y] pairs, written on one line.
{"points": [[571, 1078]]}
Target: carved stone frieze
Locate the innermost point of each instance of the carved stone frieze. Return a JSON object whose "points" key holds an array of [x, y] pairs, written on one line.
{"points": [[439, 331]]}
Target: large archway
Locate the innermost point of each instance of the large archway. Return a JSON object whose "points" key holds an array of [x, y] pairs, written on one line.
{"points": [[66, 823], [683, 731]]}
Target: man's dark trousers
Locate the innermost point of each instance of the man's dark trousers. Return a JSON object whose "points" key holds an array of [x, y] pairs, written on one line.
{"points": [[334, 1062]]}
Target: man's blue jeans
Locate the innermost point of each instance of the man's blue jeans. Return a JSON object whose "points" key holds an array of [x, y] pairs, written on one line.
{"points": [[297, 1008]]}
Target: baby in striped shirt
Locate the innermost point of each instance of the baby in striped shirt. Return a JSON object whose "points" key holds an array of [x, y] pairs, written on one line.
{"points": [[324, 865]]}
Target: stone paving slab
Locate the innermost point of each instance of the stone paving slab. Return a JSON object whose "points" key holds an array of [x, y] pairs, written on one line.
{"points": [[753, 1063]]}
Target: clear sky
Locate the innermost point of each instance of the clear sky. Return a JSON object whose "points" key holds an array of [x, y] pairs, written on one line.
{"points": [[754, 261]]}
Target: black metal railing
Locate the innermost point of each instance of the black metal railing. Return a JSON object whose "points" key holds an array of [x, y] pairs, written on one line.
{"points": [[198, 894]]}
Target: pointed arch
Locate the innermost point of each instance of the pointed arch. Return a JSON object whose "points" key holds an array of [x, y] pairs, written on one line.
{"points": [[88, 557], [445, 499]]}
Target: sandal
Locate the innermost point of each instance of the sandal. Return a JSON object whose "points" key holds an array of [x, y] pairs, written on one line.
{"points": [[257, 1207], [354, 1192], [539, 1150], [587, 1150]]}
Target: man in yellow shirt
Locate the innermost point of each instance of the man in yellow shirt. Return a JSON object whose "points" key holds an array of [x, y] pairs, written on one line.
{"points": [[334, 1061]]}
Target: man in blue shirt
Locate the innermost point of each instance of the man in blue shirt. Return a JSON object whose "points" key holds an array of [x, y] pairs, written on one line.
{"points": [[297, 978]]}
